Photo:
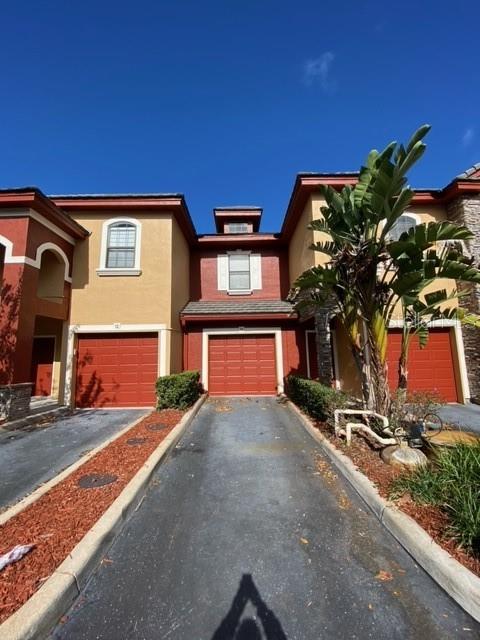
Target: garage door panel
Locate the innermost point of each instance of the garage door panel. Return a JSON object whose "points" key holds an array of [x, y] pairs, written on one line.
{"points": [[242, 365], [431, 368], [116, 370]]}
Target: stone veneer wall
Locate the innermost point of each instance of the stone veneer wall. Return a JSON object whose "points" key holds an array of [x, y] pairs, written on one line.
{"points": [[323, 337], [466, 211], [15, 400]]}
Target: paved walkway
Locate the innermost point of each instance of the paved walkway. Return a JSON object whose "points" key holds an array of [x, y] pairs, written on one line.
{"points": [[30, 458], [463, 416], [247, 533]]}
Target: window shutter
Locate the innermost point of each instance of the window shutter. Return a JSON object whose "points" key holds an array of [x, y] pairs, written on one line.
{"points": [[222, 272], [256, 271]]}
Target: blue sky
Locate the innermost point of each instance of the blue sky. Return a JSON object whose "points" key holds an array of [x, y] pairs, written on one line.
{"points": [[226, 101]]}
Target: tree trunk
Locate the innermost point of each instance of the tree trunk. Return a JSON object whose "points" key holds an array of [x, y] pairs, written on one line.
{"points": [[364, 373], [380, 391], [403, 364]]}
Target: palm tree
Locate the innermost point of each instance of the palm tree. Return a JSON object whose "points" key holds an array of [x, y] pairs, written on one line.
{"points": [[366, 272]]}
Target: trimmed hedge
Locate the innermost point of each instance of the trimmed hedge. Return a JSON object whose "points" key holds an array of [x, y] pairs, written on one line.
{"points": [[314, 398], [178, 391]]}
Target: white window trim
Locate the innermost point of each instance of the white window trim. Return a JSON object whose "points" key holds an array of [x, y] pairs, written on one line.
{"points": [[75, 329], [275, 331], [459, 348], [241, 292], [103, 270]]}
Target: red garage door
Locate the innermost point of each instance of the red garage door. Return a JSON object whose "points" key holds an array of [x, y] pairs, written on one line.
{"points": [[241, 365], [429, 369], [116, 370]]}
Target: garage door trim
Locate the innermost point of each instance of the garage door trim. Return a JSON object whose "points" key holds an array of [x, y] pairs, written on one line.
{"points": [[74, 330], [459, 348], [275, 331]]}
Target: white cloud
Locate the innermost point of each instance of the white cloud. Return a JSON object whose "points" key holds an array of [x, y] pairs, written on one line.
{"points": [[317, 70], [468, 136]]}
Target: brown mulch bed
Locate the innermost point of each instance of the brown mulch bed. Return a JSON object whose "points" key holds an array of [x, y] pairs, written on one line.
{"points": [[59, 519], [366, 457]]}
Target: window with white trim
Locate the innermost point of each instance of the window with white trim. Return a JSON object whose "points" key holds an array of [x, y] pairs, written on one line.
{"points": [[120, 249], [403, 224], [121, 243], [239, 272]]}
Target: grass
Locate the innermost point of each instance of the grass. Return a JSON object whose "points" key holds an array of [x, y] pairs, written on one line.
{"points": [[451, 482]]}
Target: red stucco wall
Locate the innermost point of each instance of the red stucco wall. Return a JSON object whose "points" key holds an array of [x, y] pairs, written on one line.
{"points": [[203, 276]]}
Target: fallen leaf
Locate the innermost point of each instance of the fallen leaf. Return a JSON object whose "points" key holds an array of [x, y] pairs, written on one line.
{"points": [[384, 576]]}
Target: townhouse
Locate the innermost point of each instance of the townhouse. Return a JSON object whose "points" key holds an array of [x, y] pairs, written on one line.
{"points": [[103, 293]]}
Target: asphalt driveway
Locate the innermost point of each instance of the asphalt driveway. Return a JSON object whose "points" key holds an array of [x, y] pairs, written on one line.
{"points": [[246, 533], [30, 458]]}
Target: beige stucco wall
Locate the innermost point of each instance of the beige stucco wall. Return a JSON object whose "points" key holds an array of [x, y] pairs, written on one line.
{"points": [[300, 256], [346, 372], [153, 297], [125, 299]]}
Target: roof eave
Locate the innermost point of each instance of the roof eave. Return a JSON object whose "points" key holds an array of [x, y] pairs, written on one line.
{"points": [[33, 198], [143, 202]]}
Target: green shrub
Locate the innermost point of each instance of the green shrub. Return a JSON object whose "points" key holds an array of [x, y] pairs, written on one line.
{"points": [[316, 399], [451, 482], [178, 391]]}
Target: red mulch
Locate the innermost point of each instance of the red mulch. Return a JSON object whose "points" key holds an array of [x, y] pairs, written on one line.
{"points": [[366, 457], [58, 520]]}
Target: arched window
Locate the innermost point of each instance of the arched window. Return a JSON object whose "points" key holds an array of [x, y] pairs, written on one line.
{"points": [[120, 250], [403, 224], [121, 243]]}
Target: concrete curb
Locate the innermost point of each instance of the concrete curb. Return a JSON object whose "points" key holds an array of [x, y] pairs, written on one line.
{"points": [[37, 493], [41, 612], [461, 584]]}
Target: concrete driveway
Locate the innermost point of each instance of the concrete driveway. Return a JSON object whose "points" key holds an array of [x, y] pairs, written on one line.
{"points": [[463, 416], [30, 458], [246, 532]]}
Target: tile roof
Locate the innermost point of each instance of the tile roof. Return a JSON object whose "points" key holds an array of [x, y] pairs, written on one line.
{"points": [[469, 172], [225, 307]]}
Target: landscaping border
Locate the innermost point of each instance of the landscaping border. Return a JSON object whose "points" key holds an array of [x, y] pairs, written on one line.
{"points": [[460, 583], [42, 611]]}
